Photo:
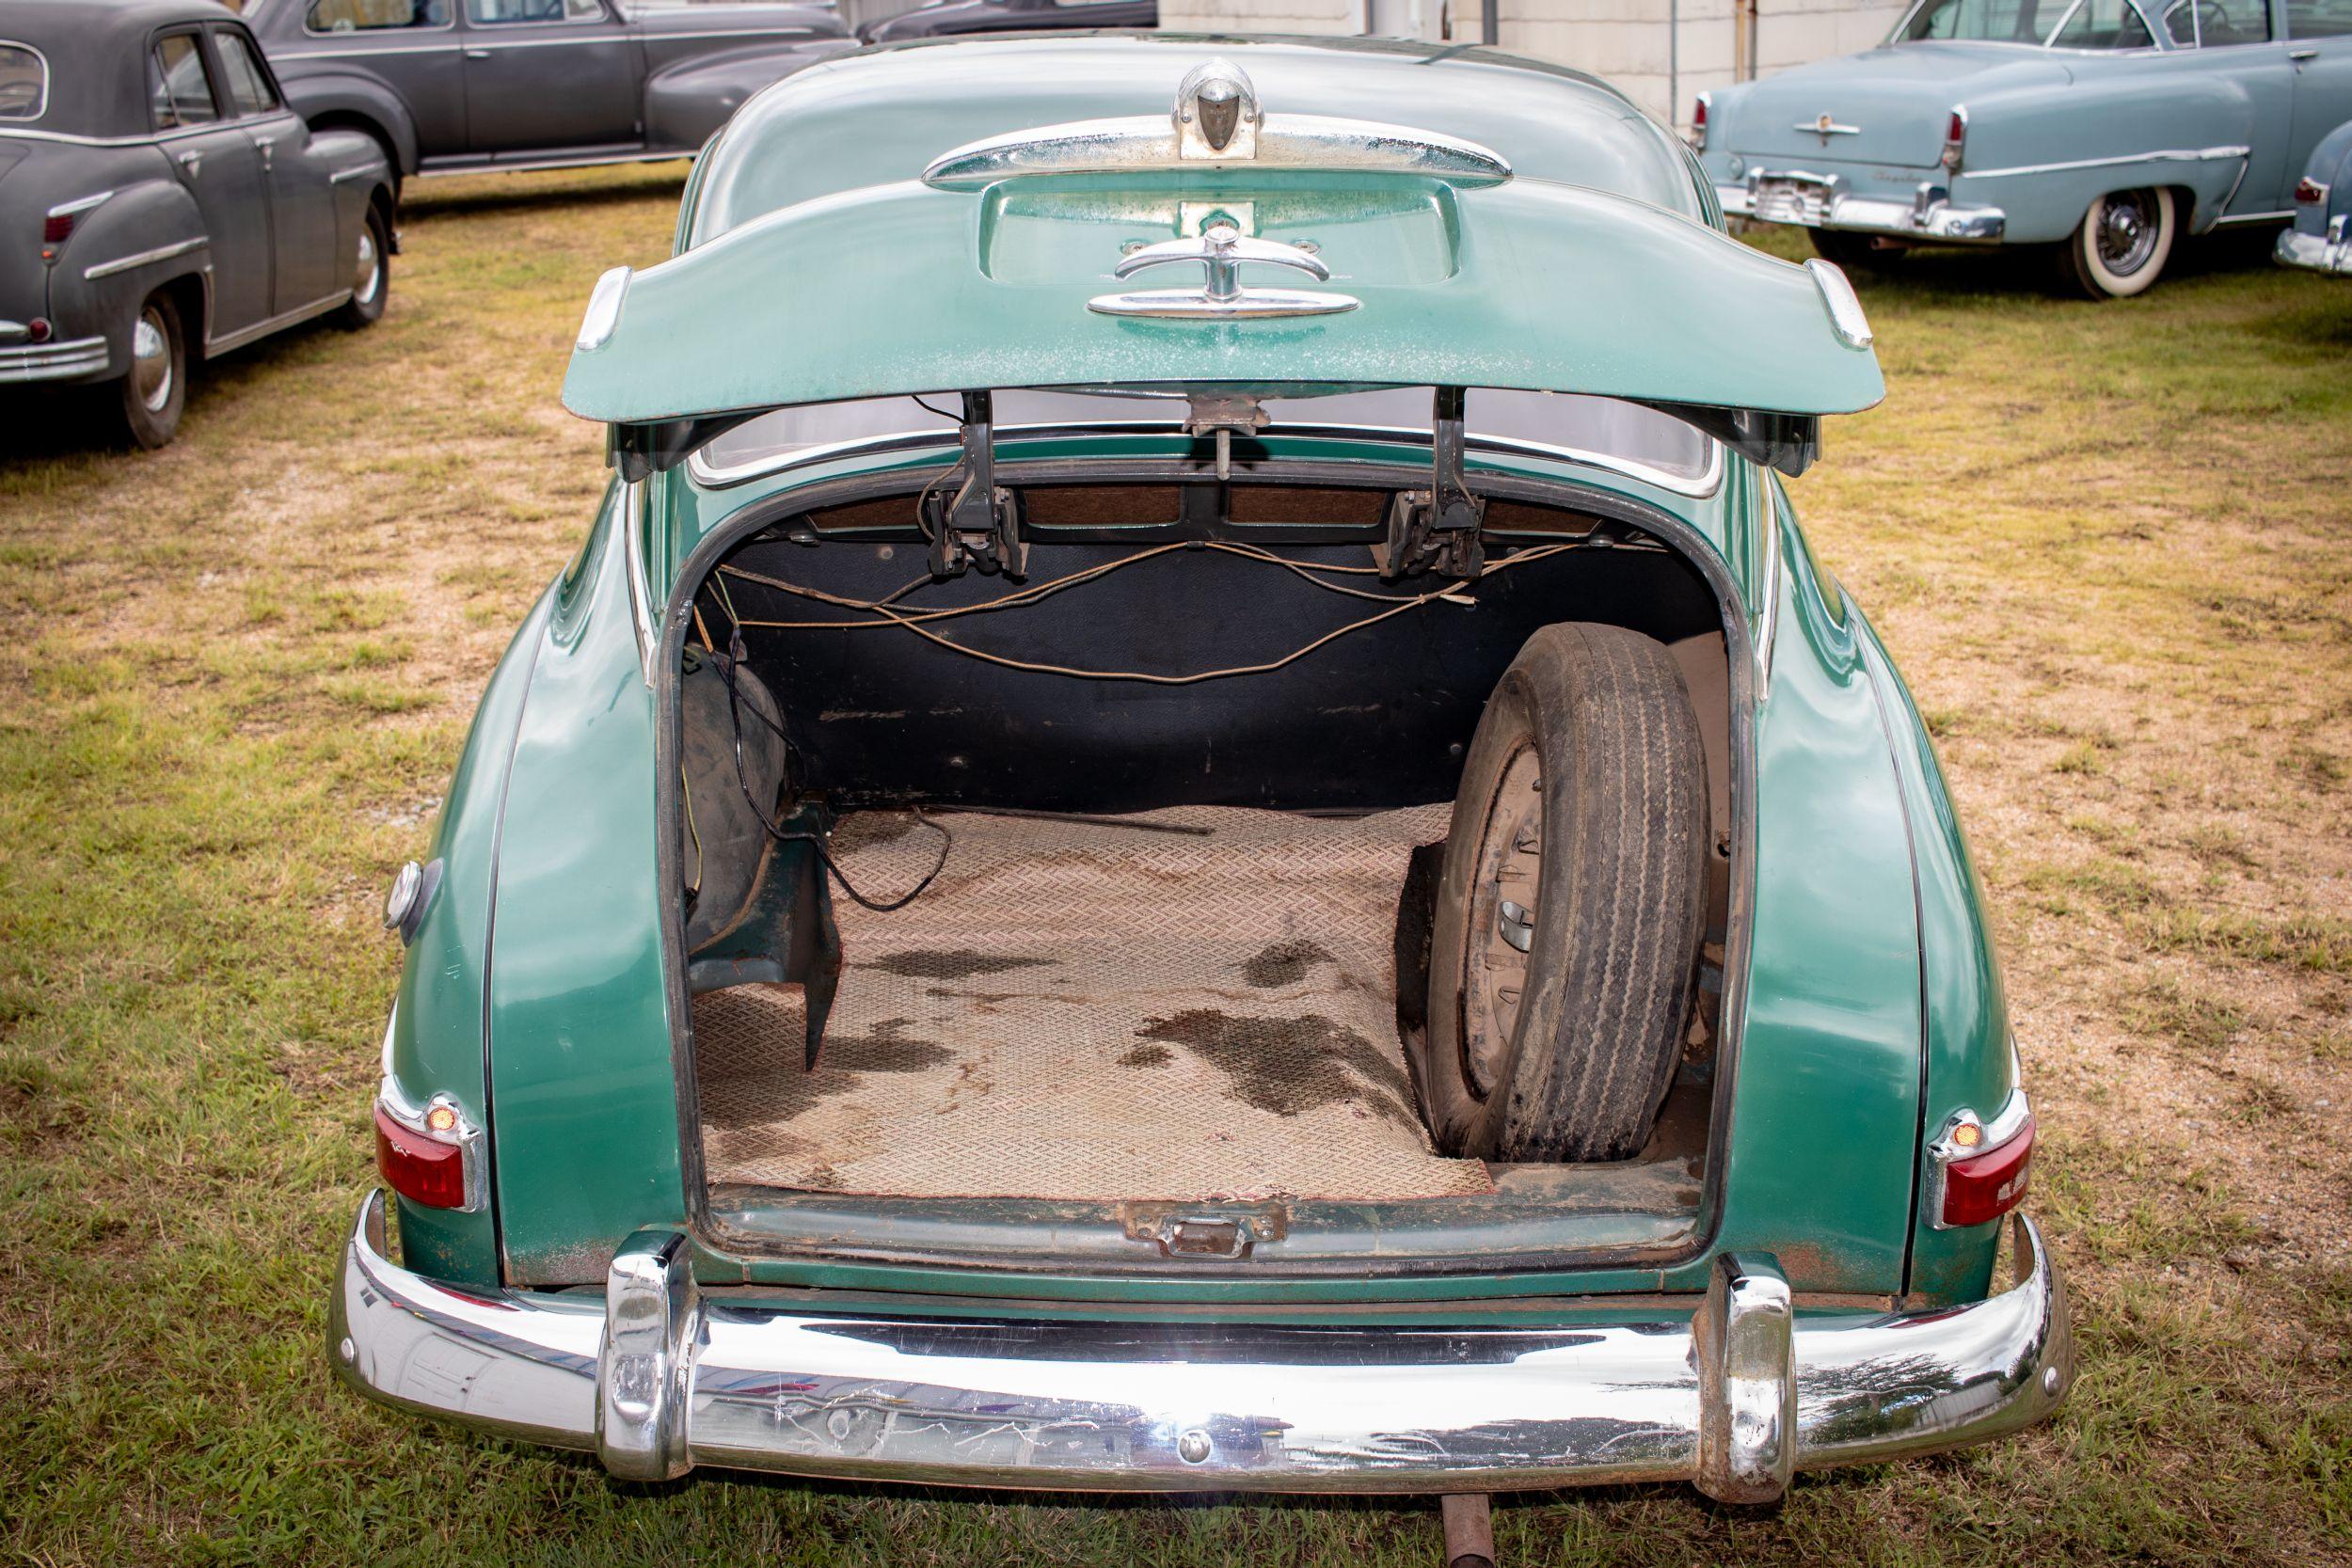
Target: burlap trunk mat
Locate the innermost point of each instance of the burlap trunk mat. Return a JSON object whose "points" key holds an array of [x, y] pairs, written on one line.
{"points": [[1076, 1010]]}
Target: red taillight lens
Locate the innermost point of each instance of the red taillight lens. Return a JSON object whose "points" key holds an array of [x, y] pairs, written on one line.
{"points": [[38, 329], [420, 1168], [1698, 123], [1986, 1185], [57, 228], [2310, 192], [1955, 138]]}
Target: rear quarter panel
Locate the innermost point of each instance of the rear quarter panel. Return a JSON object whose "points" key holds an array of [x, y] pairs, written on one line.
{"points": [[2122, 109], [585, 1125]]}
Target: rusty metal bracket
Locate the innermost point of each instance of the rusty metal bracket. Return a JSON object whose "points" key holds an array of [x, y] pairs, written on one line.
{"points": [[977, 527], [1437, 529]]}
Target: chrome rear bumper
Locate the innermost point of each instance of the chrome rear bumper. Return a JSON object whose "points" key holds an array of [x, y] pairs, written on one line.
{"points": [[1823, 201], [660, 1377], [2328, 252], [50, 361]]}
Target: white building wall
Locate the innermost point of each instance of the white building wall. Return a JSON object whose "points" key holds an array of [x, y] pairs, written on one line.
{"points": [[1631, 43]]}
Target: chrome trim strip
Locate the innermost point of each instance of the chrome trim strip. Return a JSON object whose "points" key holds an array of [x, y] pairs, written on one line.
{"points": [[2175, 155], [1765, 590], [711, 476], [632, 524], [1319, 142], [340, 175], [363, 53], [1704, 1393], [52, 361], [81, 204], [42, 107], [2284, 216], [530, 165], [161, 253], [284, 319]]}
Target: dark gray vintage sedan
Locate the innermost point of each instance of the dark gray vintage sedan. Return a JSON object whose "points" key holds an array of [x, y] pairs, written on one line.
{"points": [[159, 203], [447, 86]]}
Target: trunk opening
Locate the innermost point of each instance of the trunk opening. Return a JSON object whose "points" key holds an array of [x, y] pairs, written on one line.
{"points": [[1158, 1003]]}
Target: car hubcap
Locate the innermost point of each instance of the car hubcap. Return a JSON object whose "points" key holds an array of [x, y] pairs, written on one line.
{"points": [[1502, 933], [151, 360], [368, 276], [2127, 233]]}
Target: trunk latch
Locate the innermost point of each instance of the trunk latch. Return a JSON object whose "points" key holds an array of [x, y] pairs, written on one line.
{"points": [[1181, 1230]]}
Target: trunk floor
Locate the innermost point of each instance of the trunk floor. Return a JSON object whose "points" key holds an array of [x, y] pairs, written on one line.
{"points": [[1076, 1010]]}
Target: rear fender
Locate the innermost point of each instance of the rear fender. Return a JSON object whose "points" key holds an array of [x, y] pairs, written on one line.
{"points": [[154, 214], [436, 1042], [2208, 121], [347, 98], [688, 101]]}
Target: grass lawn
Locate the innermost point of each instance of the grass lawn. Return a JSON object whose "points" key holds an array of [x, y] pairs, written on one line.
{"points": [[2111, 545]]}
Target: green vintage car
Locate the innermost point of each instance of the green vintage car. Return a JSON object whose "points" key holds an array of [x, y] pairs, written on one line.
{"points": [[1196, 820]]}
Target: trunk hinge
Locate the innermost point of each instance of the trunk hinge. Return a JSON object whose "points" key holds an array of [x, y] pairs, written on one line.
{"points": [[978, 525], [1436, 529]]}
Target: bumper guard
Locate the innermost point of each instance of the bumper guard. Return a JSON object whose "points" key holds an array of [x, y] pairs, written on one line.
{"points": [[660, 1377]]}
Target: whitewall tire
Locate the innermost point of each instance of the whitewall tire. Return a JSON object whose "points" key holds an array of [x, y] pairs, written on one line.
{"points": [[2123, 243]]}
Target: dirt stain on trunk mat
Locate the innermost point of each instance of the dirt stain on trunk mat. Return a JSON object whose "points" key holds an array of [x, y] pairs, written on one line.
{"points": [[1289, 1064], [958, 965], [1283, 963]]}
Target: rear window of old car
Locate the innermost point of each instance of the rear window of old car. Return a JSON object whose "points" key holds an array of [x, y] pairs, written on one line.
{"points": [[178, 89], [1606, 430], [24, 82]]}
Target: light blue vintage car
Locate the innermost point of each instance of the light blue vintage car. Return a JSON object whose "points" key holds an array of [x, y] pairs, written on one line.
{"points": [[2104, 127], [2322, 236]]}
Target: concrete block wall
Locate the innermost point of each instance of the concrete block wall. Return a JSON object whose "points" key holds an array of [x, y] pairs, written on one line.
{"points": [[1628, 42]]}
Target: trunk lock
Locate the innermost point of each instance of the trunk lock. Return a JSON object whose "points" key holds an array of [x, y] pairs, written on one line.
{"points": [[1181, 1230]]}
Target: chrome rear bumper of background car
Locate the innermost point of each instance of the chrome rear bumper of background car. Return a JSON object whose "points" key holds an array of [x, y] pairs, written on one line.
{"points": [[660, 1376], [1821, 202], [2328, 252], [52, 362]]}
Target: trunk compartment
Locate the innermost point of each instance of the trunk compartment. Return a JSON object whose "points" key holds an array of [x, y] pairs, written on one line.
{"points": [[1153, 1007]]}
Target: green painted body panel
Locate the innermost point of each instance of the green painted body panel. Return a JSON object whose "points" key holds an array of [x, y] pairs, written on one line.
{"points": [[1969, 1064], [585, 1142], [437, 1028], [1523, 285]]}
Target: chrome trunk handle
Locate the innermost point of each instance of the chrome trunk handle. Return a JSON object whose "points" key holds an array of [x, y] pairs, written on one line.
{"points": [[1222, 248]]}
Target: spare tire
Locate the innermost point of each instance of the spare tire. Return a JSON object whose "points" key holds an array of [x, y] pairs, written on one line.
{"points": [[1568, 916]]}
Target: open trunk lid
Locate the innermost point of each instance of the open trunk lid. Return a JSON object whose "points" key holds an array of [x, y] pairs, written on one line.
{"points": [[1431, 264]]}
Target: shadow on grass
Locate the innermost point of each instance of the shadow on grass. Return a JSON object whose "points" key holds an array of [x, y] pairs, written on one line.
{"points": [[74, 422], [523, 190]]}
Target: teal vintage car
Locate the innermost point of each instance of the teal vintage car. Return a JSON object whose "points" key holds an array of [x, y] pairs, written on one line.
{"points": [[2103, 129], [2319, 239], [1195, 819]]}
